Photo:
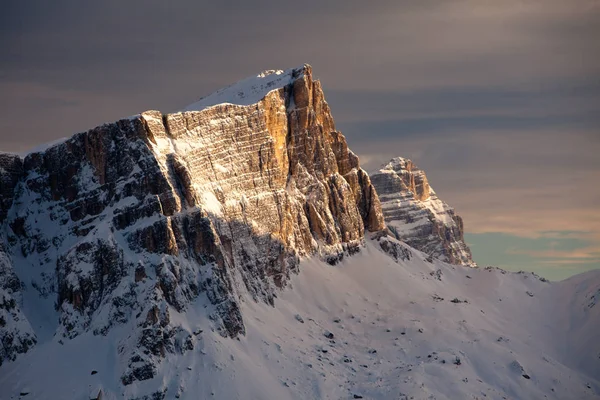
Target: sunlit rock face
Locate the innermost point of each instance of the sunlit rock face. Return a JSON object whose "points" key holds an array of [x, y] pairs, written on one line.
{"points": [[415, 215], [128, 223]]}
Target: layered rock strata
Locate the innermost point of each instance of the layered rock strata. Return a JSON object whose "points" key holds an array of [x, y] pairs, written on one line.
{"points": [[414, 213]]}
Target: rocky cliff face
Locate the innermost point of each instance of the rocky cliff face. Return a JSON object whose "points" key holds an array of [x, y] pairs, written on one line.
{"points": [[126, 224], [16, 334], [415, 215]]}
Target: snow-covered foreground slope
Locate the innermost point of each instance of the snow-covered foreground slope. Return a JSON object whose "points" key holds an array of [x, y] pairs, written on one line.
{"points": [[370, 327]]}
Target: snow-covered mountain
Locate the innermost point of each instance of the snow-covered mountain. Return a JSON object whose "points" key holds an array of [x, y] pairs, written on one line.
{"points": [[237, 250], [414, 213]]}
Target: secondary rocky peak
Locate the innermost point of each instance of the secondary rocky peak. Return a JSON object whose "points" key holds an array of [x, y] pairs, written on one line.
{"points": [[412, 178], [132, 221], [415, 215]]}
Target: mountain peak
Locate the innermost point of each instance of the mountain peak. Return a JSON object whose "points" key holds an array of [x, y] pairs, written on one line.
{"points": [[415, 215], [399, 163], [128, 224], [396, 162], [253, 89], [416, 180]]}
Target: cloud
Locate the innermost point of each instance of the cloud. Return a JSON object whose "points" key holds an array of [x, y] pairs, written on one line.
{"points": [[528, 102], [48, 110], [581, 255], [529, 183], [570, 262], [554, 259]]}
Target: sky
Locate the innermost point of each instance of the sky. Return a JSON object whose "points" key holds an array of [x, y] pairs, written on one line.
{"points": [[498, 101]]}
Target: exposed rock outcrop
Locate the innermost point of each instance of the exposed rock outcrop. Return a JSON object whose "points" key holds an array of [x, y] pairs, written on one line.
{"points": [[16, 334], [415, 215], [11, 170], [133, 220]]}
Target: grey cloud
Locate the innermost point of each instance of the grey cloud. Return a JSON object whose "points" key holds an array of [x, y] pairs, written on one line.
{"points": [[375, 45], [554, 100], [520, 181]]}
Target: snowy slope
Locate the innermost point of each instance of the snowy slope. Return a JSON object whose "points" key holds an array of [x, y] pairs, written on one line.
{"points": [[396, 335], [43, 147], [247, 91]]}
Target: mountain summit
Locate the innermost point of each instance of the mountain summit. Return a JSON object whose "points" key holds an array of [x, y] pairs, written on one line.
{"points": [[237, 249], [126, 224]]}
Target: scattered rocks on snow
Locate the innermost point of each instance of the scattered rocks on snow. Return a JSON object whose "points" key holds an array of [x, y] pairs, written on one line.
{"points": [[594, 299], [457, 301], [516, 367], [396, 250], [437, 274]]}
